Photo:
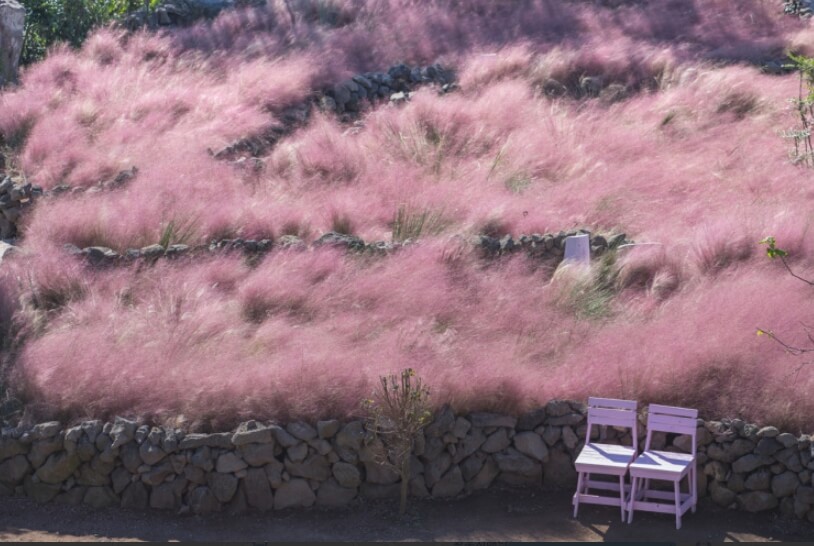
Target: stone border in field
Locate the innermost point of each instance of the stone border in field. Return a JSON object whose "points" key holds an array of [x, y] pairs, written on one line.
{"points": [[267, 466]]}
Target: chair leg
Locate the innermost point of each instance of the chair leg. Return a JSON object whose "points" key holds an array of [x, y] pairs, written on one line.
{"points": [[577, 494], [633, 483], [622, 496], [677, 490]]}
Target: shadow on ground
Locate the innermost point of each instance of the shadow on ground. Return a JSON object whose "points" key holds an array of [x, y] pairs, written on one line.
{"points": [[495, 515]]}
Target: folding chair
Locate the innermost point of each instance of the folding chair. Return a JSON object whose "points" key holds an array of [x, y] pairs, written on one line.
{"points": [[605, 459], [664, 465]]}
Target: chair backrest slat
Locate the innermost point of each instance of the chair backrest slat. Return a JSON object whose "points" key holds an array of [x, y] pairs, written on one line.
{"points": [[612, 412], [672, 420], [612, 417], [612, 403]]}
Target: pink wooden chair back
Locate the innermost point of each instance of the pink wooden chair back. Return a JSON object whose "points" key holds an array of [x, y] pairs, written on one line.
{"points": [[612, 412], [671, 420]]}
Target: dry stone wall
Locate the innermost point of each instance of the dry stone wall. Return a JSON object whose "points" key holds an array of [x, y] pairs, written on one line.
{"points": [[267, 466]]}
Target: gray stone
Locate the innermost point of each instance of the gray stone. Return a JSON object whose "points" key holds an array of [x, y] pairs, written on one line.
{"points": [[497, 441], [450, 485], [92, 429], [749, 462], [298, 452], [223, 486], [758, 481], [718, 452], [569, 419], [135, 497], [757, 501], [418, 488], [9, 447], [120, 478], [130, 457], [768, 432], [257, 454], [258, 490], [557, 408], [203, 501], [315, 467], [461, 428], [12, 30], [473, 440], [302, 431], [351, 436], [100, 497], [257, 435], [741, 447], [805, 494], [98, 476], [531, 420], [530, 443], [569, 438], [328, 429], [435, 468], [736, 482], [484, 420], [221, 440], [157, 474], [72, 497], [785, 484], [295, 493], [58, 468], [195, 474], [720, 494], [717, 470], [559, 471], [162, 497], [513, 461], [790, 457], [383, 474], [151, 454], [238, 504], [683, 442], [347, 475], [13, 470], [202, 458], [768, 446], [330, 493], [472, 465], [274, 472], [41, 449], [230, 462], [551, 434], [40, 492], [443, 423], [485, 476], [43, 431], [122, 432], [787, 439]]}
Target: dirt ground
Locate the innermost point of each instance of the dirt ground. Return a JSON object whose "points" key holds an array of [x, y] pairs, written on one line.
{"points": [[495, 516]]}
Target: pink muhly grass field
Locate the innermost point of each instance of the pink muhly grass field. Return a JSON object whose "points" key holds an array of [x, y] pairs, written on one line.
{"points": [[689, 158]]}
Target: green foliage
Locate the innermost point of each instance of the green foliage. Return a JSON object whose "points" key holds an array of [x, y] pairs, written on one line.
{"points": [[804, 105], [178, 232], [771, 248], [49, 22], [411, 224], [398, 411]]}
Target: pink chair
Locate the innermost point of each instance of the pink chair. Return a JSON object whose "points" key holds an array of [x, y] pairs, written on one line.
{"points": [[664, 465], [605, 459]]}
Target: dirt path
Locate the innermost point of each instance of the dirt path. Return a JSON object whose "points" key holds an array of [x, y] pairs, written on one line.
{"points": [[488, 516]]}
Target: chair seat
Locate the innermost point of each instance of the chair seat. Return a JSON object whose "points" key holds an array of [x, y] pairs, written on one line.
{"points": [[661, 465], [607, 458]]}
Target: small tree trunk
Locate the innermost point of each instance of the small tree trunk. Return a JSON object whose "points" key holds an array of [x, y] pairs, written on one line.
{"points": [[405, 482]]}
